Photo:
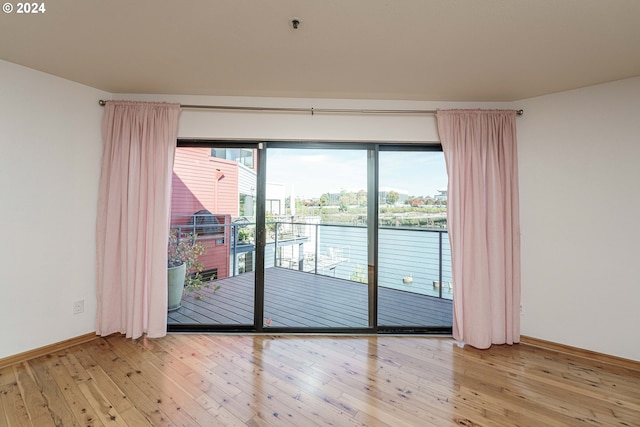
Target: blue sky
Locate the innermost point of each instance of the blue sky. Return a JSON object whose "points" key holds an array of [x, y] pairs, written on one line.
{"points": [[314, 172]]}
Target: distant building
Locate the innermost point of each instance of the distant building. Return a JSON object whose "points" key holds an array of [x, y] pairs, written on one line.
{"points": [[276, 197], [442, 195], [403, 195]]}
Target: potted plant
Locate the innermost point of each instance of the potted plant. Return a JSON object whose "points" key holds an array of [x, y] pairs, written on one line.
{"points": [[183, 266], [243, 236]]}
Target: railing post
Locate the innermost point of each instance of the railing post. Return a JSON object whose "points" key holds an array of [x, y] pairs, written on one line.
{"points": [[440, 264], [300, 256], [232, 232], [315, 267], [275, 245]]}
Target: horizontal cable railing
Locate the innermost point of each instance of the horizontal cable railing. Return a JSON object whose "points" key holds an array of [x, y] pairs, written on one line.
{"points": [[416, 260]]}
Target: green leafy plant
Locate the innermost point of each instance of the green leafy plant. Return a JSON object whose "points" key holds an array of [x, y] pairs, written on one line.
{"points": [[270, 222], [243, 235], [186, 249]]}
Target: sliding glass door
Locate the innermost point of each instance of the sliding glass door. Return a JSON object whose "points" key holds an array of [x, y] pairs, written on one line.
{"points": [[316, 247], [213, 225], [312, 237], [414, 261]]}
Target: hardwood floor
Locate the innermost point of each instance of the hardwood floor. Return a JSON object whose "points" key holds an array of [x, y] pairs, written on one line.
{"points": [[253, 380]]}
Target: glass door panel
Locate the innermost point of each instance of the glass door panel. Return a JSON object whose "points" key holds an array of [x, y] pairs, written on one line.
{"points": [[414, 261], [334, 257], [212, 206], [316, 239]]}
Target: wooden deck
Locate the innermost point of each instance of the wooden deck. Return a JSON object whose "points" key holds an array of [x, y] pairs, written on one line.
{"points": [[304, 300]]}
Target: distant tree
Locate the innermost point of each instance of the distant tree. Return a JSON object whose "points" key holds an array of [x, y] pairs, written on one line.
{"points": [[353, 198], [324, 200], [392, 197], [344, 201], [415, 201], [362, 198]]}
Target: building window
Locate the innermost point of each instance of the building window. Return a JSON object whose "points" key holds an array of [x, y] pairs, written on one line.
{"points": [[273, 206], [240, 155], [247, 205]]}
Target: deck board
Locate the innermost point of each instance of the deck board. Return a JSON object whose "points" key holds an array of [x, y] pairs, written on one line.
{"points": [[298, 299]]}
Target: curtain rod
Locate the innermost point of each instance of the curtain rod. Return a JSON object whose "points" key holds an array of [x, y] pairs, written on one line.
{"points": [[304, 110]]}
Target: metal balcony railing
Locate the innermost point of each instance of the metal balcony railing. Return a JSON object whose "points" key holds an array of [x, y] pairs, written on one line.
{"points": [[410, 259]]}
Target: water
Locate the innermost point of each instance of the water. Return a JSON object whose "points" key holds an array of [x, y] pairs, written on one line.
{"points": [[342, 253]]}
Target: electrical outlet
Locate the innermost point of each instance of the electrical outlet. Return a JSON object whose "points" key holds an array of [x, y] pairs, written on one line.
{"points": [[78, 307], [521, 310]]}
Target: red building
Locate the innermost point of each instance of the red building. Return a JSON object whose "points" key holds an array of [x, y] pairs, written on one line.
{"points": [[209, 189]]}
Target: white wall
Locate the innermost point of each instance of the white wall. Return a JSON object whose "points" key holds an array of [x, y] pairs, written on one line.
{"points": [[50, 148], [579, 158]]}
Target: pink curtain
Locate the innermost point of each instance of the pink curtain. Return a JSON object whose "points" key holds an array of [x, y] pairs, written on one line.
{"points": [[133, 217], [484, 227]]}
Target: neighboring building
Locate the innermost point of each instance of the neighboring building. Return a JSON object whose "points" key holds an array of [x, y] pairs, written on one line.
{"points": [[276, 197], [244, 159], [442, 195], [220, 182]]}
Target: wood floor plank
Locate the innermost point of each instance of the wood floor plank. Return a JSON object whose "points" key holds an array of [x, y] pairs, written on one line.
{"points": [[52, 393], [269, 404], [358, 381], [81, 409], [13, 411], [148, 401], [183, 409], [115, 396], [225, 417], [197, 368], [591, 402], [35, 403], [7, 376], [92, 392], [308, 392], [261, 380]]}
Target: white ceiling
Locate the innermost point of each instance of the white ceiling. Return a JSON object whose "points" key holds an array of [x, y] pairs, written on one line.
{"points": [[440, 50]]}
